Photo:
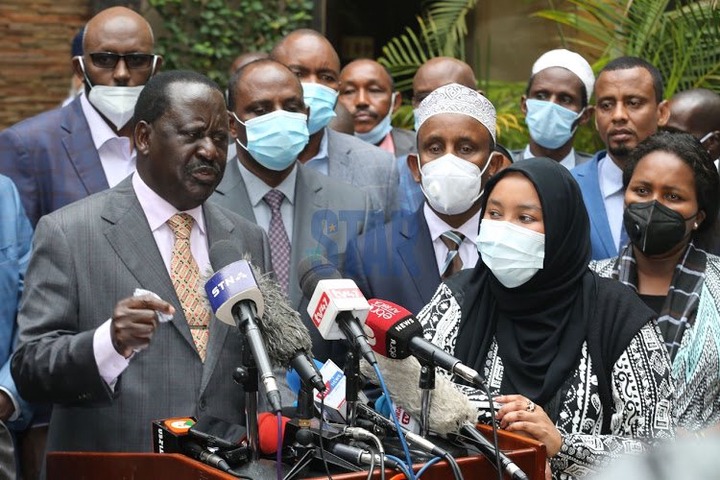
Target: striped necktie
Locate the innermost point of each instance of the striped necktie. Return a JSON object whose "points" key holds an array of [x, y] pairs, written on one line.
{"points": [[453, 263]]}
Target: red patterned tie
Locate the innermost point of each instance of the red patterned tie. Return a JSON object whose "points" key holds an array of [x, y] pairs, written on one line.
{"points": [[185, 276], [279, 242]]}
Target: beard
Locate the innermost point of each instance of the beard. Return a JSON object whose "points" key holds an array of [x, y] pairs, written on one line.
{"points": [[619, 151]]}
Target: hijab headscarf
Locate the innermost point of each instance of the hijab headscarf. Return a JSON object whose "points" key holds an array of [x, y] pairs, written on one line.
{"points": [[541, 325]]}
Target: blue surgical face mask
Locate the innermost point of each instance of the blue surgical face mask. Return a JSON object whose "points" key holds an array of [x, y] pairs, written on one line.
{"points": [[379, 131], [275, 139], [321, 100], [550, 125]]}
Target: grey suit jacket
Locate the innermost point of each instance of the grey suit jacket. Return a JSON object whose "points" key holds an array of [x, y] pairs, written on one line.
{"points": [[365, 166], [580, 157], [404, 140], [327, 214], [86, 257]]}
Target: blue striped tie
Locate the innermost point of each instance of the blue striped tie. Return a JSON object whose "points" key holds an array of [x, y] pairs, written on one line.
{"points": [[453, 263]]}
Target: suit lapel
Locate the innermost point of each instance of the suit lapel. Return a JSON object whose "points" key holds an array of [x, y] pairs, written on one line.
{"points": [[418, 255], [219, 228], [233, 188], [309, 199], [594, 199], [338, 157], [81, 150]]}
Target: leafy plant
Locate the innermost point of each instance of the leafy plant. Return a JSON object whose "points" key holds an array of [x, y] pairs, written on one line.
{"points": [[207, 35], [679, 37]]}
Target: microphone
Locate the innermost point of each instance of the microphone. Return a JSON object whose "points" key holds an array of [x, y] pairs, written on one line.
{"points": [[399, 334], [236, 300], [337, 307], [267, 426], [450, 411], [171, 436]]}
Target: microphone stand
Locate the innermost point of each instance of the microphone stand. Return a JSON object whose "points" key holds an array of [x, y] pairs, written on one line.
{"points": [[427, 385], [247, 376], [352, 384]]}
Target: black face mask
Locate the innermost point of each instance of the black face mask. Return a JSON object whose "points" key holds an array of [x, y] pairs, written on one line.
{"points": [[654, 228]]}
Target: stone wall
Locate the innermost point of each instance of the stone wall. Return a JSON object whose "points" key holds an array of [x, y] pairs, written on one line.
{"points": [[35, 69]]}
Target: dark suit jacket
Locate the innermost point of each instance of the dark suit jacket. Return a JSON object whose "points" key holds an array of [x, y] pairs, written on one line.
{"points": [[319, 201], [52, 160], [86, 257], [396, 262], [404, 141]]}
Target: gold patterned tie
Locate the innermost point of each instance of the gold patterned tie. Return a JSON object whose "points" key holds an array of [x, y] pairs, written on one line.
{"points": [[185, 276]]}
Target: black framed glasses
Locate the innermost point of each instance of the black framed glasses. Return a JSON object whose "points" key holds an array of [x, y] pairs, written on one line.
{"points": [[133, 61]]}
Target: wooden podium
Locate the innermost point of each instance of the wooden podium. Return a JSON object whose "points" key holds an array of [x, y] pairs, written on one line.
{"points": [[527, 454]]}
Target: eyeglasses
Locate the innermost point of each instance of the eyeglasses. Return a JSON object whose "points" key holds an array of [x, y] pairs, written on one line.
{"points": [[133, 61]]}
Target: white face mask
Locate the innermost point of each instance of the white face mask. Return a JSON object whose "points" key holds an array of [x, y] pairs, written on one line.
{"points": [[512, 253], [117, 104], [450, 184]]}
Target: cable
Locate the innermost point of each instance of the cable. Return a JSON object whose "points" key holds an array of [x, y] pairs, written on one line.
{"points": [[429, 464], [322, 448], [372, 465], [398, 428], [400, 465], [278, 455], [496, 443], [454, 467]]}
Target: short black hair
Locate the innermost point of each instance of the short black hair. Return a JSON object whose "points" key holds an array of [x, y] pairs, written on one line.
{"points": [[689, 150], [627, 63], [240, 74], [154, 99]]}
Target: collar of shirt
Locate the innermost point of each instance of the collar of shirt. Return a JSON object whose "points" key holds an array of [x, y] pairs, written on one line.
{"points": [[321, 161], [100, 131], [468, 249], [387, 143], [158, 210], [567, 162], [257, 189], [610, 176]]}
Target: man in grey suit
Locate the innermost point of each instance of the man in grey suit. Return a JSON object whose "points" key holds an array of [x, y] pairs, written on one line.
{"points": [[92, 347], [311, 213], [310, 56], [555, 104], [367, 91]]}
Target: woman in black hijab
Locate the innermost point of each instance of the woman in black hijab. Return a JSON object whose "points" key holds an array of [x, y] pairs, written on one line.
{"points": [[576, 360]]}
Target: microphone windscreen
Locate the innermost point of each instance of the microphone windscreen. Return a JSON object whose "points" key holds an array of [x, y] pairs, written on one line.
{"points": [[281, 325], [222, 253], [268, 433], [311, 270], [449, 408]]}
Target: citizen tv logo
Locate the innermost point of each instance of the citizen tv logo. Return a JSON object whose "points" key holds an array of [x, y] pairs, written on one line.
{"points": [[321, 308], [350, 292]]}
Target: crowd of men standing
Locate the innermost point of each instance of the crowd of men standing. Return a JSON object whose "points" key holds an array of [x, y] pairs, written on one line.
{"points": [[130, 184]]}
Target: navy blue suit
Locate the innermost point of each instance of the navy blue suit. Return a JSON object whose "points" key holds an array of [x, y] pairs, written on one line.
{"points": [[395, 262], [52, 160], [601, 238]]}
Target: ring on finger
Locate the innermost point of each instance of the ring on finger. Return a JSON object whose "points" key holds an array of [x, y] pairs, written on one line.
{"points": [[530, 406]]}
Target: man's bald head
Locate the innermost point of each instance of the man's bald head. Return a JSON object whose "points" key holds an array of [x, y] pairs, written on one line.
{"points": [[438, 72], [305, 41], [697, 112], [116, 22]]}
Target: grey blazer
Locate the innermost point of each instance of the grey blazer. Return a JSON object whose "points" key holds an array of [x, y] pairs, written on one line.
{"points": [[404, 140], [327, 214], [365, 166], [86, 257], [580, 157]]}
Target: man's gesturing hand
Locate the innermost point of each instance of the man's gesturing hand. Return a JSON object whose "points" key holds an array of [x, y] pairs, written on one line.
{"points": [[134, 322]]}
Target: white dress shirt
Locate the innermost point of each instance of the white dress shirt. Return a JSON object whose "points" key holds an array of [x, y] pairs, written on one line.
{"points": [[611, 187], [468, 249], [567, 162], [116, 155], [321, 161]]}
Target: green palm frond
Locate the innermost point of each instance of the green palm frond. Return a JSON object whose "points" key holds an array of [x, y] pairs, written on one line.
{"points": [[680, 38]]}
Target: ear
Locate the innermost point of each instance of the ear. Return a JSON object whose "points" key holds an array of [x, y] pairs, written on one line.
{"points": [[523, 106], [663, 110], [496, 164], [77, 67], [398, 102], [585, 117], [699, 219], [158, 65], [233, 125], [413, 165], [141, 135]]}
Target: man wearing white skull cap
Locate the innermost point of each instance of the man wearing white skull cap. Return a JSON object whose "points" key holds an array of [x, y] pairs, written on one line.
{"points": [[405, 260], [555, 104]]}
